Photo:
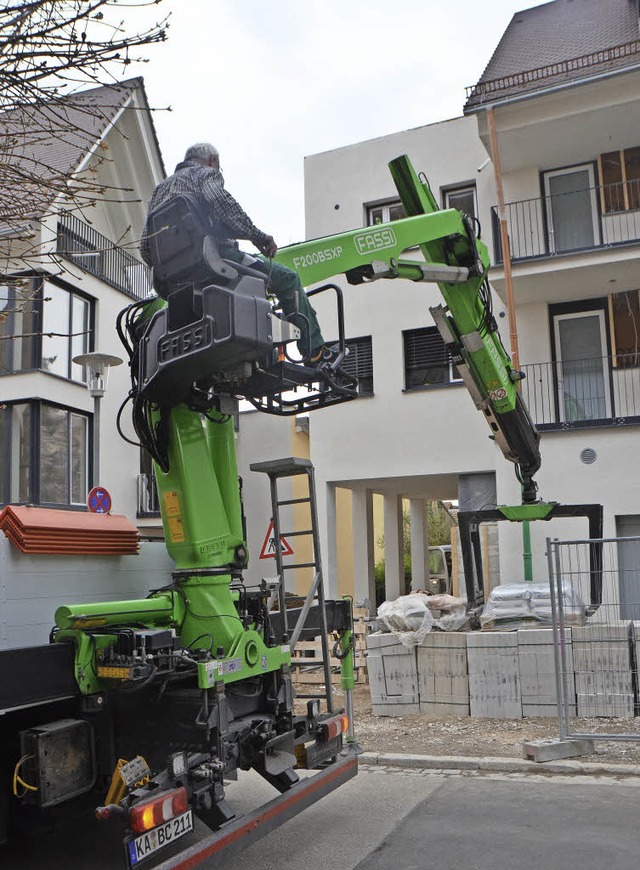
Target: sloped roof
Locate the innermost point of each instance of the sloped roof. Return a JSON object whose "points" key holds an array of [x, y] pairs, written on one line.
{"points": [[42, 146], [558, 42]]}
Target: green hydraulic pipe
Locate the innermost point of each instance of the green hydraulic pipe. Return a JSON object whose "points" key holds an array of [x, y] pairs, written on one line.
{"points": [[158, 610]]}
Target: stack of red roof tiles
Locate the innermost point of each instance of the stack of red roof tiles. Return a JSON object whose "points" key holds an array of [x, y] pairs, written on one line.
{"points": [[45, 531]]}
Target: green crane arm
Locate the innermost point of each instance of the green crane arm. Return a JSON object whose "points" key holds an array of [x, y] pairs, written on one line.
{"points": [[459, 263]]}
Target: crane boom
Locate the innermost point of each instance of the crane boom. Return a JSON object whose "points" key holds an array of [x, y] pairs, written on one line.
{"points": [[458, 262]]}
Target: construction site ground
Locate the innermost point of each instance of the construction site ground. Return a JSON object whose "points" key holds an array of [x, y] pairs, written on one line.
{"points": [[480, 738]]}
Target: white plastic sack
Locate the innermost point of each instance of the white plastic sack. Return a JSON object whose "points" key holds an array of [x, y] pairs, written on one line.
{"points": [[517, 604], [449, 612], [408, 617]]}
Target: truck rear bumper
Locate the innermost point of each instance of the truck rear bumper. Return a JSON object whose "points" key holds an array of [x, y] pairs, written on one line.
{"points": [[240, 833]]}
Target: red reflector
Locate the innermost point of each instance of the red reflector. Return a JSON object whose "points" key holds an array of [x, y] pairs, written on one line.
{"points": [[335, 726], [158, 810]]}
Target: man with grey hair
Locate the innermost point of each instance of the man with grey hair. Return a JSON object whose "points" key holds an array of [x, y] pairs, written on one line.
{"points": [[199, 177]]}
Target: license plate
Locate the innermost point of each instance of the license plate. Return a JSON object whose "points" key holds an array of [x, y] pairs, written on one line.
{"points": [[157, 838]]}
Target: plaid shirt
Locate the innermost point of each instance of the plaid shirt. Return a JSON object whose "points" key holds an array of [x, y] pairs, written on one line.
{"points": [[206, 185]]}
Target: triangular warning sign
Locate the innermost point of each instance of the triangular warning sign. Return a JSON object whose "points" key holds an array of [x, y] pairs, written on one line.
{"points": [[268, 550]]}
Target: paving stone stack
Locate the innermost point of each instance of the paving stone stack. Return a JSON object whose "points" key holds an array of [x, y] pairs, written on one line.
{"points": [[537, 672], [393, 676], [603, 671], [443, 674], [494, 675]]}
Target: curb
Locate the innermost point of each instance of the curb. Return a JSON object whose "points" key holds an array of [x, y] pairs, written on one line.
{"points": [[443, 763]]}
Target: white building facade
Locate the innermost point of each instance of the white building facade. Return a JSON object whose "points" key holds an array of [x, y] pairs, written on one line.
{"points": [[562, 92]]}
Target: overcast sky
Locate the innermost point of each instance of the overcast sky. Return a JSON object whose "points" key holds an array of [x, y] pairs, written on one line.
{"points": [[270, 81]]}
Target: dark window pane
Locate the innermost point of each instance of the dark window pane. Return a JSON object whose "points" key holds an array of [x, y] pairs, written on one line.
{"points": [[79, 487], [375, 216], [462, 199], [54, 455], [18, 323], [21, 463], [396, 212], [626, 328], [632, 167], [5, 423], [359, 363], [427, 360]]}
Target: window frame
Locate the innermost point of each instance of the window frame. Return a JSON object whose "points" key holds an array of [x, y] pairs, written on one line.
{"points": [[34, 327], [385, 205], [72, 294], [460, 188], [35, 483], [449, 366], [624, 182]]}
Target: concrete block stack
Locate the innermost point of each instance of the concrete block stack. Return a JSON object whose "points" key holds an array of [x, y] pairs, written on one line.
{"points": [[537, 672], [443, 674], [603, 672], [393, 676], [494, 675]]}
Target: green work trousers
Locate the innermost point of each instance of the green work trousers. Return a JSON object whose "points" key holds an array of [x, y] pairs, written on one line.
{"points": [[285, 285]]}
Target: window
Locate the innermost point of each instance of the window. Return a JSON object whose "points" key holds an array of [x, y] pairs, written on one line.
{"points": [[45, 454], [625, 328], [18, 327], [620, 180], [65, 331], [383, 213], [427, 361], [359, 363], [462, 198]]}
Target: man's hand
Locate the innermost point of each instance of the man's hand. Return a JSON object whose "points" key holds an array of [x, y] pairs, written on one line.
{"points": [[269, 248]]}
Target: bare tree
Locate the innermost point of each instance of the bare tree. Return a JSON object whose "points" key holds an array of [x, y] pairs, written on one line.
{"points": [[60, 66]]}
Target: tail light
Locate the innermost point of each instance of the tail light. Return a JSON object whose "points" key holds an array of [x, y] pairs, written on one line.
{"points": [[334, 726], [160, 809]]}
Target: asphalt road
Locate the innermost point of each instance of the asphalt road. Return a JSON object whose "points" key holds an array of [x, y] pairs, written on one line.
{"points": [[410, 820], [388, 819]]}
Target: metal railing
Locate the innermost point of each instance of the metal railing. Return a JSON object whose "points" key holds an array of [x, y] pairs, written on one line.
{"points": [[596, 649], [94, 253], [583, 393], [580, 220], [148, 504], [478, 92]]}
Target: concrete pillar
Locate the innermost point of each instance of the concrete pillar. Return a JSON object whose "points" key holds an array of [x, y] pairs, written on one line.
{"points": [[393, 560], [364, 584], [330, 556], [419, 544]]}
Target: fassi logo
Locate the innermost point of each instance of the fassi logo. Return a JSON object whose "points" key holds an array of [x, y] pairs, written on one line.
{"points": [[374, 240]]}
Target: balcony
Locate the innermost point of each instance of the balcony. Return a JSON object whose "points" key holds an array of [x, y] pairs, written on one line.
{"points": [[587, 219], [587, 393], [94, 253]]}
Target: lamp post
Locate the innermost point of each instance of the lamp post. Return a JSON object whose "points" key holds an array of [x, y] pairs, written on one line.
{"points": [[98, 365]]}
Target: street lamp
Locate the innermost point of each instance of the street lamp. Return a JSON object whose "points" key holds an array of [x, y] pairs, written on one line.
{"points": [[98, 365]]}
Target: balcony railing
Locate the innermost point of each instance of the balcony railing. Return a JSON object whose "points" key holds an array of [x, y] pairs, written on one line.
{"points": [[94, 253], [584, 393], [579, 220], [148, 505]]}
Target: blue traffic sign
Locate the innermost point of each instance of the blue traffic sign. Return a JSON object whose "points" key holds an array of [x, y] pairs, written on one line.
{"points": [[99, 500]]}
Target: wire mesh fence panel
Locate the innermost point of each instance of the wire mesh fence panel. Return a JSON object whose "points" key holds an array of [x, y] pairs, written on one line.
{"points": [[597, 643]]}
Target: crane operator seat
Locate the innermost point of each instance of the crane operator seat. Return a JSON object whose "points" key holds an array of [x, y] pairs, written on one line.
{"points": [[182, 247]]}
